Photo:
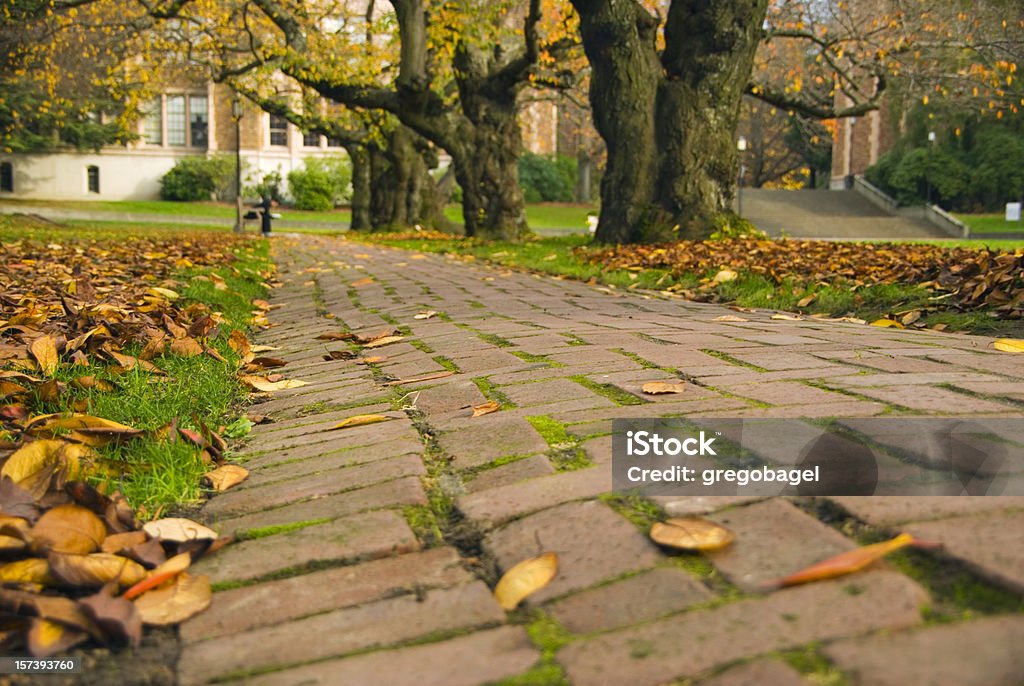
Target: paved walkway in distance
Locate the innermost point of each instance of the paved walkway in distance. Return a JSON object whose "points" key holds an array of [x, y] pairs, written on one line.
{"points": [[370, 552]]}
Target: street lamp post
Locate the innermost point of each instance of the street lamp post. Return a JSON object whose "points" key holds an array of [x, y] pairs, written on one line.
{"points": [[741, 146], [928, 169], [236, 114]]}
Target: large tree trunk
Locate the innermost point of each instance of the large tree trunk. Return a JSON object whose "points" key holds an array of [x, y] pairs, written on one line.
{"points": [[668, 122], [361, 190], [487, 162], [403, 191]]}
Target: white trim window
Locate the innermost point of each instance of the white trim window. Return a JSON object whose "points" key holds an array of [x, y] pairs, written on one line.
{"points": [[278, 131], [178, 120]]}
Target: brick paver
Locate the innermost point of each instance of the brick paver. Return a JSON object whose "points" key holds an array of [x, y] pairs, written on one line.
{"points": [[376, 546]]}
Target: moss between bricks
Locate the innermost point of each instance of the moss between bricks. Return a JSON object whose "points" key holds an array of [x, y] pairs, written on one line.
{"points": [[491, 392], [565, 452], [494, 339], [536, 359], [610, 391], [810, 662], [726, 357], [548, 636], [264, 531], [446, 363]]}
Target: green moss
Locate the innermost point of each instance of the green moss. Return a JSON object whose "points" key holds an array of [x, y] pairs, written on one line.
{"points": [[564, 451], [610, 391], [264, 531], [810, 662], [446, 363], [495, 339], [423, 521], [574, 339], [491, 392], [725, 357], [640, 511], [536, 359], [646, 364], [420, 345]]}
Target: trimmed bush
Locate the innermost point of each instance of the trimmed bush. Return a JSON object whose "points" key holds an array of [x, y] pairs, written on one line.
{"points": [[547, 179], [322, 184], [198, 178]]}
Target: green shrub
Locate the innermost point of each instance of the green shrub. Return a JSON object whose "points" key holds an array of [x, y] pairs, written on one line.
{"points": [[322, 184], [547, 179], [198, 178], [268, 186]]}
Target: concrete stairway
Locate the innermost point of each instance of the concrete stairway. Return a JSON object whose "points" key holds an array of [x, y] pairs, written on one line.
{"points": [[828, 214]]}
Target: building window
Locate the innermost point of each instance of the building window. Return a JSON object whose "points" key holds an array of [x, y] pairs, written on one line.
{"points": [[311, 140], [333, 142], [92, 175], [6, 177], [198, 119], [154, 123], [278, 130], [176, 122]]}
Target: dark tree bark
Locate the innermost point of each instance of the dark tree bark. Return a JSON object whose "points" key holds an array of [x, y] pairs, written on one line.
{"points": [[361, 187], [403, 193], [668, 120]]}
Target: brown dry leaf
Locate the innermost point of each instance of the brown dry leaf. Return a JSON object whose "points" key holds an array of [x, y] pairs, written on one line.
{"points": [[844, 563], [92, 383], [787, 317], [44, 349], [333, 336], [46, 637], [187, 596], [910, 318], [486, 408], [116, 617], [68, 529], [49, 424], [691, 533], [525, 578], [333, 355], [226, 476], [662, 387], [96, 570], [265, 348], [887, 323], [425, 314], [115, 543], [361, 420], [240, 344], [1009, 345], [359, 283], [417, 379], [268, 362], [186, 347], [807, 300], [9, 545], [730, 318], [177, 530], [372, 359], [385, 340]]}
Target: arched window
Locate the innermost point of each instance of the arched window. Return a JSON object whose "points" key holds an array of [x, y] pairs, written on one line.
{"points": [[92, 174]]}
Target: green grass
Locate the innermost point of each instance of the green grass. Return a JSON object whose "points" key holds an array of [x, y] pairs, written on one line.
{"points": [[181, 209], [990, 223], [541, 216]]}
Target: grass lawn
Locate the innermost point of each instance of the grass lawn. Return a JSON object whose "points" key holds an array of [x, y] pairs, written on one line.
{"points": [[990, 223], [154, 473], [541, 216], [555, 255]]}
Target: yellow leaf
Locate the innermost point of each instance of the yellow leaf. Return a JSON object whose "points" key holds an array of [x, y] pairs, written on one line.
{"points": [[787, 317], [425, 314], [359, 283], [730, 318], [524, 579], [361, 420], [486, 408], [186, 347], [46, 638], [186, 597], [386, 340], [725, 275], [260, 383], [224, 477], [844, 563], [1009, 345], [32, 465], [96, 570], [887, 323], [662, 387], [44, 349], [178, 530], [691, 533], [33, 570], [163, 293]]}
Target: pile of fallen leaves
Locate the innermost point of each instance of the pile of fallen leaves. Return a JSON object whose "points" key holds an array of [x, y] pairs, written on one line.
{"points": [[975, 278], [76, 563]]}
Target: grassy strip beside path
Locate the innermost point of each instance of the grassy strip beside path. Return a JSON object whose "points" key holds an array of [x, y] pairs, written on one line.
{"points": [[570, 256], [193, 390]]}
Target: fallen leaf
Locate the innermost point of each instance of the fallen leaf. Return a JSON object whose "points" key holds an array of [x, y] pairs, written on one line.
{"points": [[486, 408], [186, 347], [46, 637], [164, 572], [361, 420], [691, 533], [372, 359], [844, 563], [31, 570], [359, 283], [44, 349], [1009, 345], [115, 543], [263, 384], [724, 275], [336, 337], [226, 476], [386, 340], [910, 318], [32, 466], [787, 317], [116, 617], [186, 597], [662, 387], [96, 570], [268, 362], [887, 323], [177, 530], [68, 529], [730, 318], [525, 578], [807, 300], [338, 355], [425, 314]]}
